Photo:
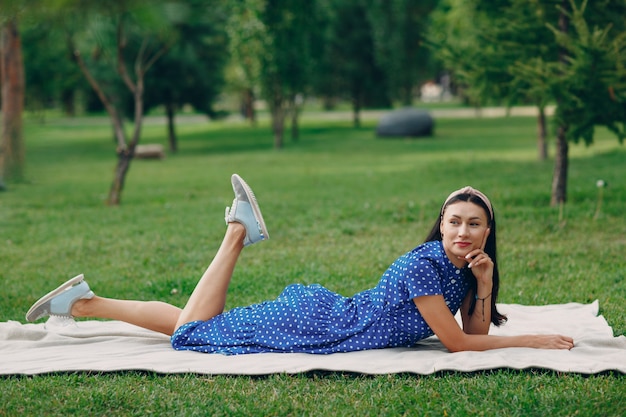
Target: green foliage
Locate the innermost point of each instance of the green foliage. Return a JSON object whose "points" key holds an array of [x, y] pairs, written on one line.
{"points": [[340, 206], [192, 71], [246, 33], [457, 36], [286, 56], [398, 29], [351, 56], [591, 86], [485, 45], [12, 9], [52, 79], [513, 51], [528, 48]]}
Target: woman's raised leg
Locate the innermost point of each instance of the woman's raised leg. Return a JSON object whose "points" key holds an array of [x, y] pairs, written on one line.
{"points": [[209, 297], [245, 227], [207, 300]]}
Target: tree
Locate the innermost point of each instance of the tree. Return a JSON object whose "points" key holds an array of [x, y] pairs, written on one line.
{"points": [[246, 33], [12, 81], [52, 80], [398, 30], [524, 40], [285, 61], [352, 59], [122, 34], [192, 70], [590, 85], [484, 44], [582, 69], [457, 37], [586, 80]]}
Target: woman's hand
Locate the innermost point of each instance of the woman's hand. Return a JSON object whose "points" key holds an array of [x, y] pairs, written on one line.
{"points": [[481, 265], [551, 341], [434, 310]]}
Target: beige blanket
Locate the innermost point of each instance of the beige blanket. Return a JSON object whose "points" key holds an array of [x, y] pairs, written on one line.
{"points": [[115, 346]]}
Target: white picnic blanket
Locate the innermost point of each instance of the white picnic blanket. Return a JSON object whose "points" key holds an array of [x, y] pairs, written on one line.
{"points": [[116, 346]]}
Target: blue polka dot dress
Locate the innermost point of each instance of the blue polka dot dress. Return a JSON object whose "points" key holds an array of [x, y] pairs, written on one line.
{"points": [[313, 319]]}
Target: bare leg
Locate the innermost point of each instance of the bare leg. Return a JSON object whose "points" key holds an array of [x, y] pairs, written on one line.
{"points": [[245, 227], [153, 315], [206, 301], [209, 296]]}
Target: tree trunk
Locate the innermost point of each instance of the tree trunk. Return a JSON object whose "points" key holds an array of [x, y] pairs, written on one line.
{"points": [[295, 130], [125, 151], [295, 114], [407, 94], [278, 118], [171, 130], [126, 155], [68, 97], [356, 112], [12, 81], [542, 145], [559, 177], [278, 126], [329, 102], [121, 169], [248, 106]]}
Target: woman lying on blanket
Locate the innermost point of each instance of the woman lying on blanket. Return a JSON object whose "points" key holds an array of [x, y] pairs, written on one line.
{"points": [[416, 297]]}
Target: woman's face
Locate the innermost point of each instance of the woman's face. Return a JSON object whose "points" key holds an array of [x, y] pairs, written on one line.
{"points": [[464, 228]]}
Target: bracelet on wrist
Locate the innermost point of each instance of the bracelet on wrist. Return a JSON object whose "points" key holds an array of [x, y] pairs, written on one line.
{"points": [[483, 300]]}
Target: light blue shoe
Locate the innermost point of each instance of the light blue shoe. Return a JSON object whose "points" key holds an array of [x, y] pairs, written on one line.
{"points": [[59, 302], [245, 210]]}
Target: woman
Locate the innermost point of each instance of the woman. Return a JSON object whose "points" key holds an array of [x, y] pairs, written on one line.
{"points": [[416, 297]]}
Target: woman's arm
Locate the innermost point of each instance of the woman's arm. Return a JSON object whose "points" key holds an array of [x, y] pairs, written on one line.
{"points": [[480, 320], [439, 318], [482, 268]]}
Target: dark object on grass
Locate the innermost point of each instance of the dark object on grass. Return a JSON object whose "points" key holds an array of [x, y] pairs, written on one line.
{"points": [[406, 122]]}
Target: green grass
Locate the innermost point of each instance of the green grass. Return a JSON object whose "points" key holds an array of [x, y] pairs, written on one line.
{"points": [[340, 205]]}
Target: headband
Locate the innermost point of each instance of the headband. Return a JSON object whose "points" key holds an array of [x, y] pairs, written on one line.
{"points": [[471, 191]]}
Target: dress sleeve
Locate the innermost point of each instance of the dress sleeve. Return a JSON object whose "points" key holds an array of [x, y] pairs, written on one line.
{"points": [[422, 278]]}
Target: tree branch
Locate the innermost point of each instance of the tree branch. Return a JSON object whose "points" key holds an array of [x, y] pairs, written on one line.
{"points": [[121, 64], [157, 55], [108, 105]]}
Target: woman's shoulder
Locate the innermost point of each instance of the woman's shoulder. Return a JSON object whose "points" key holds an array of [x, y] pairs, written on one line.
{"points": [[431, 252], [428, 253], [428, 250]]}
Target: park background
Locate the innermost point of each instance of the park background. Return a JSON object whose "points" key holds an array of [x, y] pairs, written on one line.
{"points": [[288, 95]]}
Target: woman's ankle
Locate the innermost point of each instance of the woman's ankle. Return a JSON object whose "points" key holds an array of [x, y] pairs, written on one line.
{"points": [[236, 231], [80, 308]]}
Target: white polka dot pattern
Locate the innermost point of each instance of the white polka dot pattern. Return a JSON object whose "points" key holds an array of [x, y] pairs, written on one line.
{"points": [[313, 319]]}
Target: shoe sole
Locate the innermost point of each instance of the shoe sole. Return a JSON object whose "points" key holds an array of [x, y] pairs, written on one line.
{"points": [[253, 203], [67, 284]]}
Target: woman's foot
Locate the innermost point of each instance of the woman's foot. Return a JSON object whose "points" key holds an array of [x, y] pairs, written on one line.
{"points": [[59, 302], [245, 210]]}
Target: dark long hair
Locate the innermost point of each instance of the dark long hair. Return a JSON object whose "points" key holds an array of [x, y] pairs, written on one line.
{"points": [[490, 249]]}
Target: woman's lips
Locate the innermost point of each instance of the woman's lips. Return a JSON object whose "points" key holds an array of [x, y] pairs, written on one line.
{"points": [[463, 244]]}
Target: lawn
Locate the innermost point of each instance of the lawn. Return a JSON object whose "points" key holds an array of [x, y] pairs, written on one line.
{"points": [[340, 206]]}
